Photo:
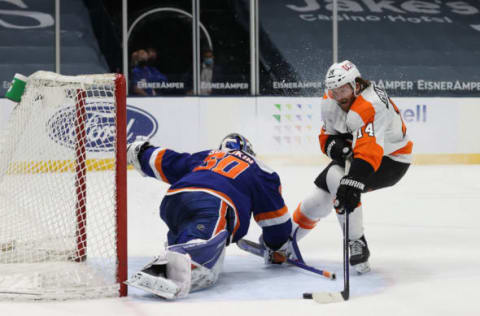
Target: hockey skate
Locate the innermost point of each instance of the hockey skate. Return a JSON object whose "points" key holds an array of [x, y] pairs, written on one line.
{"points": [[359, 255]]}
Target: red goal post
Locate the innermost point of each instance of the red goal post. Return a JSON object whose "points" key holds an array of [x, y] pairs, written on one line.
{"points": [[63, 189]]}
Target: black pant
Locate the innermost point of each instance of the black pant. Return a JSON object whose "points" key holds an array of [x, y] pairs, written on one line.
{"points": [[388, 174]]}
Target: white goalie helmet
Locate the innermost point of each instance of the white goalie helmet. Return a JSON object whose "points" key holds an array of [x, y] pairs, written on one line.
{"points": [[341, 73]]}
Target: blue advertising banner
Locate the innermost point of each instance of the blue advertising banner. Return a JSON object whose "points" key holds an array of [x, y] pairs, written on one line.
{"points": [[412, 48]]}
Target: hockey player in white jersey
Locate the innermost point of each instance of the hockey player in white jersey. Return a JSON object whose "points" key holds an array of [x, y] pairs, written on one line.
{"points": [[363, 125]]}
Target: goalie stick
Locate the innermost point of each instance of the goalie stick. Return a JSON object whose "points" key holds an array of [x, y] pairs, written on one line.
{"points": [[333, 297], [257, 249]]}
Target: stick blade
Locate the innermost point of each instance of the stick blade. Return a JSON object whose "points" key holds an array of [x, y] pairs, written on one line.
{"points": [[325, 297]]}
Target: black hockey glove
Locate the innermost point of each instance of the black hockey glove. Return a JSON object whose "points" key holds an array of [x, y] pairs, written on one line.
{"points": [[338, 148], [348, 194]]}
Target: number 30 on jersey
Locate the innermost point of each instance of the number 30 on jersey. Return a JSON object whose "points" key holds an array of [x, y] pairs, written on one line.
{"points": [[228, 166]]}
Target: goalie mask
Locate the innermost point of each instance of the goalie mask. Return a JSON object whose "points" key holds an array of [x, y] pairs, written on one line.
{"points": [[235, 141]]}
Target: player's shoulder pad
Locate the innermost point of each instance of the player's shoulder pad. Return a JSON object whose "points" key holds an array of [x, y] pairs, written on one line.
{"points": [[262, 166], [204, 153], [377, 96], [366, 106]]}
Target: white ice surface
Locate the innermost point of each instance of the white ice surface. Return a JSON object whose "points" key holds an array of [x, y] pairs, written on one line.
{"points": [[424, 236]]}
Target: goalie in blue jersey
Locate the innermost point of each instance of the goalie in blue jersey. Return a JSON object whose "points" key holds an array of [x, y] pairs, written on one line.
{"points": [[211, 198]]}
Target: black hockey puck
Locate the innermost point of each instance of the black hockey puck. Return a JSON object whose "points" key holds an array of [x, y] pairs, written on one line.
{"points": [[307, 296]]}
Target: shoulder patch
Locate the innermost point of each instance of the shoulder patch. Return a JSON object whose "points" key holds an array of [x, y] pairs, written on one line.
{"points": [[382, 94]]}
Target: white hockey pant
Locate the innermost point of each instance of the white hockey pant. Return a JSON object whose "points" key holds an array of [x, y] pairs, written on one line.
{"points": [[319, 203]]}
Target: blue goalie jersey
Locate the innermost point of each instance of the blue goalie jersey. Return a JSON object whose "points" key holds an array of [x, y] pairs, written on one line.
{"points": [[240, 180]]}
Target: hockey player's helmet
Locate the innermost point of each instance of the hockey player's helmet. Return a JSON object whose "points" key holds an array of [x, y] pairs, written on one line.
{"points": [[341, 73], [235, 141]]}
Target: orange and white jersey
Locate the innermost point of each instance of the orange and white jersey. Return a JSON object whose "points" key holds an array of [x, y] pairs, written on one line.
{"points": [[375, 124]]}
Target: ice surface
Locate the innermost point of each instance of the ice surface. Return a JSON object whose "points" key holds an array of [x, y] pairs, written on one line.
{"points": [[424, 236]]}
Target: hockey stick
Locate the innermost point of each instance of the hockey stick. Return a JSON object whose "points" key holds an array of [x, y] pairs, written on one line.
{"points": [[257, 249], [333, 297]]}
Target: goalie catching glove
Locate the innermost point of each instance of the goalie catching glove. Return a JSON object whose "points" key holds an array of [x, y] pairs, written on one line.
{"points": [[134, 152]]}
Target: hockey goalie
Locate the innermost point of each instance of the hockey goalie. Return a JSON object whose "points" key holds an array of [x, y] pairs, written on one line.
{"points": [[212, 196]]}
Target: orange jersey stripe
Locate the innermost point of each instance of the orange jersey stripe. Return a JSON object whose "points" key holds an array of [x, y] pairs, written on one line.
{"points": [[404, 127], [216, 193], [158, 165], [222, 221], [322, 139], [272, 214], [302, 220], [366, 147], [405, 150], [363, 108]]}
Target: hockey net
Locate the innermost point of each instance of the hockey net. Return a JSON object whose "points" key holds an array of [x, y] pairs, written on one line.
{"points": [[63, 189]]}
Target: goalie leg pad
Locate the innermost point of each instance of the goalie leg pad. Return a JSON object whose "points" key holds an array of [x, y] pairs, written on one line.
{"points": [[207, 259], [203, 252], [168, 276], [203, 277], [179, 270], [157, 285]]}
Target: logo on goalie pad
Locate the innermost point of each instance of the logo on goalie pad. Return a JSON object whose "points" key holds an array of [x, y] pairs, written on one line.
{"points": [[99, 123]]}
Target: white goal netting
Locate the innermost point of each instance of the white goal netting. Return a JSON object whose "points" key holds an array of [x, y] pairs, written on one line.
{"points": [[62, 212]]}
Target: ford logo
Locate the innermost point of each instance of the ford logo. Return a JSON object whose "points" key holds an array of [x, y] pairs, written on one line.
{"points": [[99, 126], [140, 123]]}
